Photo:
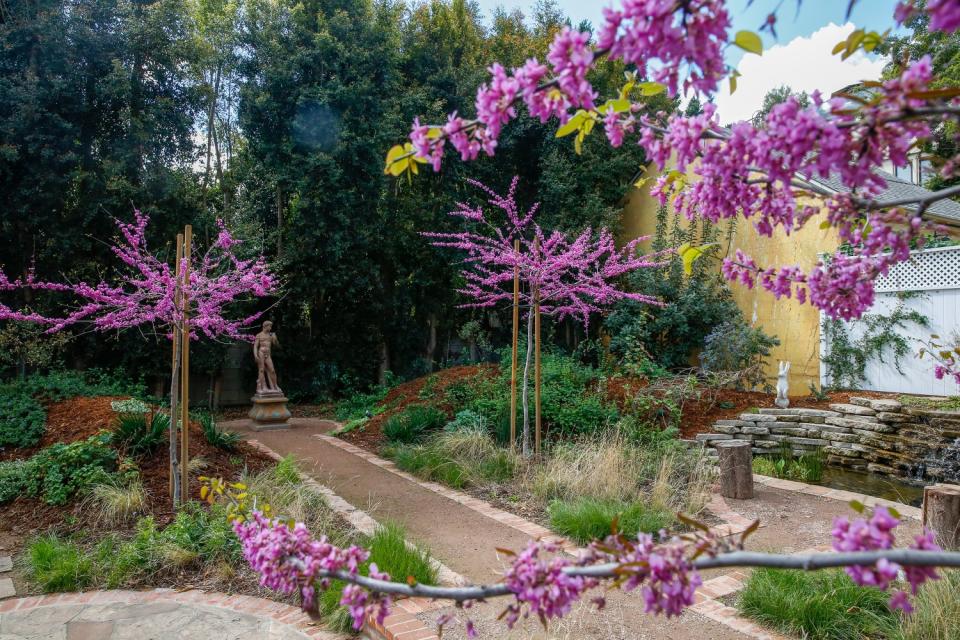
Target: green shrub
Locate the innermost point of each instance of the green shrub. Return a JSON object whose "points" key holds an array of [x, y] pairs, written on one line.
{"points": [[217, 437], [467, 420], [360, 404], [587, 519], [734, 345], [59, 471], [819, 605], [61, 385], [808, 467], [413, 423], [139, 436], [389, 551], [58, 565], [22, 419], [429, 464], [286, 471]]}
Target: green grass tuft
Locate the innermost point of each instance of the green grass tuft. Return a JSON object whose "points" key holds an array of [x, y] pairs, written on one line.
{"points": [[818, 605], [58, 565], [586, 519]]}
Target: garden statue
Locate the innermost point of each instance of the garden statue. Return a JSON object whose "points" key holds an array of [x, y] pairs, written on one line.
{"points": [[266, 374], [782, 400], [269, 409]]}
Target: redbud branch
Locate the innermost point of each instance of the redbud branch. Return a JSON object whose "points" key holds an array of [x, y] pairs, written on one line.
{"points": [[804, 562]]}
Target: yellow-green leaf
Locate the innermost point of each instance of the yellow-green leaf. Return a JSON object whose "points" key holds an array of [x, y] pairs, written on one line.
{"points": [[626, 89], [840, 46], [825, 224], [857, 506], [733, 81], [651, 88], [395, 165], [749, 42], [573, 124], [434, 132], [689, 255], [639, 183]]}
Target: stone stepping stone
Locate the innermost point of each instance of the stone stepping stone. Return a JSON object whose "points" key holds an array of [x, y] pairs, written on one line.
{"points": [[6, 564], [6, 588], [852, 409]]}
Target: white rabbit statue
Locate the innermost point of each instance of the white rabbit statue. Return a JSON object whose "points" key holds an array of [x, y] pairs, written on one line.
{"points": [[782, 400]]}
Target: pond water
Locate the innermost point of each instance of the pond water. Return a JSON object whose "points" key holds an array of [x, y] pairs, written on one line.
{"points": [[872, 485]]}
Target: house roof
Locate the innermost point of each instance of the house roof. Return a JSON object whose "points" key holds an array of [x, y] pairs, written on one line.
{"points": [[900, 189]]}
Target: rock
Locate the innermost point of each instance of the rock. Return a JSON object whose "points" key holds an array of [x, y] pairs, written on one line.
{"points": [[755, 431], [765, 444], [730, 423], [757, 417], [852, 409], [860, 402], [789, 418], [710, 437], [827, 428], [893, 418], [778, 412], [818, 413], [722, 428], [788, 431], [886, 405], [881, 468], [857, 423], [843, 437], [813, 419], [809, 442], [839, 451]]}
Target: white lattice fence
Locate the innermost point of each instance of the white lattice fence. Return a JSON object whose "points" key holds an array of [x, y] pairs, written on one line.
{"points": [[935, 275]]}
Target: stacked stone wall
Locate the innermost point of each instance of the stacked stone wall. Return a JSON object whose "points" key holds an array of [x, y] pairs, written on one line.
{"points": [[880, 436]]}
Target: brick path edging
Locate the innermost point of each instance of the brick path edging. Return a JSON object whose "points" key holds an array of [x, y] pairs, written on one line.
{"points": [[279, 612]]}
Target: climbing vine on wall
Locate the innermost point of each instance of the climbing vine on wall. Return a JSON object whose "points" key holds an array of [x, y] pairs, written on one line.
{"points": [[846, 358]]}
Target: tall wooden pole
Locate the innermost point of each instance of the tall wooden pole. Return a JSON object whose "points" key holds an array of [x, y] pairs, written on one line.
{"points": [[516, 339], [536, 357], [185, 367], [175, 384]]}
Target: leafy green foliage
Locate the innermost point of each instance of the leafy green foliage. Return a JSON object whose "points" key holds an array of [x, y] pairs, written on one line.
{"points": [[59, 471], [882, 338], [820, 605], [22, 419], [694, 304], [587, 519], [413, 423], [62, 385], [735, 346], [137, 435], [219, 438]]}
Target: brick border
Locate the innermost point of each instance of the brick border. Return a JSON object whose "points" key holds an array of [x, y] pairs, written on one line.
{"points": [[277, 612], [836, 494]]}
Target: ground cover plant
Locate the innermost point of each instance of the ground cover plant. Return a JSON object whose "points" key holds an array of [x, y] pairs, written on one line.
{"points": [[807, 467], [22, 418]]}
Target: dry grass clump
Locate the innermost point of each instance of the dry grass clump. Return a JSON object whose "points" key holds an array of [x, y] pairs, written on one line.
{"points": [[613, 469], [116, 502]]}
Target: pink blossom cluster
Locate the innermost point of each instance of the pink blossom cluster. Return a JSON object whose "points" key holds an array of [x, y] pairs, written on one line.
{"points": [[877, 534], [663, 570], [679, 37], [289, 558], [540, 586], [575, 276], [944, 14], [145, 291], [662, 38]]}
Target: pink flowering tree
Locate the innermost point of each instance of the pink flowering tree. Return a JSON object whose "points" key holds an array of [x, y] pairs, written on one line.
{"points": [[765, 174], [143, 293], [570, 276]]}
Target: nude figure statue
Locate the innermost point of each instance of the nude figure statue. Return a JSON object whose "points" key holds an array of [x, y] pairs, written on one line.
{"points": [[266, 374]]}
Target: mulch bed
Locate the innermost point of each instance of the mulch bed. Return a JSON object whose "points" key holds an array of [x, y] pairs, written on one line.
{"points": [[407, 394], [79, 418]]}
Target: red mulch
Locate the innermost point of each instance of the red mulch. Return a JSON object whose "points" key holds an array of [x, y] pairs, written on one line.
{"points": [[408, 393], [79, 418]]}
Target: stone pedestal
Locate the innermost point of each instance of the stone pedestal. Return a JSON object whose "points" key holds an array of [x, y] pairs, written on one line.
{"points": [[269, 411]]}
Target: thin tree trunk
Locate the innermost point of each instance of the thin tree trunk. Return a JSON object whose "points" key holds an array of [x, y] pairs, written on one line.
{"points": [[526, 380], [174, 402]]}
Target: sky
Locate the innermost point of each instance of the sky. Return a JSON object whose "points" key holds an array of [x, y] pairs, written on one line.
{"points": [[799, 57]]}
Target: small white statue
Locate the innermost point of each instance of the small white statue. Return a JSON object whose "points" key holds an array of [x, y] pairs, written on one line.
{"points": [[782, 400]]}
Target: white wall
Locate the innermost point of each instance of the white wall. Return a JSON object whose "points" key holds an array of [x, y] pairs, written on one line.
{"points": [[935, 276]]}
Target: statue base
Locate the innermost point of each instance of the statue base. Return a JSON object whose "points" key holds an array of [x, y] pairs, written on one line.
{"points": [[269, 411]]}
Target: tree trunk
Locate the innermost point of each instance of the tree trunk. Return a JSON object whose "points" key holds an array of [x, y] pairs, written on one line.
{"points": [[174, 413], [526, 385], [384, 362], [736, 469], [941, 514]]}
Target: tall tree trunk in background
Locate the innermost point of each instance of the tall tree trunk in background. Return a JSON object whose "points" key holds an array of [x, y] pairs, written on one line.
{"points": [[384, 367], [431, 350], [279, 221], [526, 385]]}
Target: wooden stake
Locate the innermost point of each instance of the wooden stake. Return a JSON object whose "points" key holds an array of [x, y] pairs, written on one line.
{"points": [[185, 367], [516, 339], [175, 384], [536, 358]]}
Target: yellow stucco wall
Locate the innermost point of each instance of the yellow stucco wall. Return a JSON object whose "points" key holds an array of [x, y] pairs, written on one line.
{"points": [[797, 326]]}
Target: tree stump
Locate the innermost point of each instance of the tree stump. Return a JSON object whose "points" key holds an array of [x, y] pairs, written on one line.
{"points": [[736, 469], [941, 513]]}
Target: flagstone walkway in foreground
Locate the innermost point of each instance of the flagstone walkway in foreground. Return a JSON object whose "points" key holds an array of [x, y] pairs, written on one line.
{"points": [[154, 615]]}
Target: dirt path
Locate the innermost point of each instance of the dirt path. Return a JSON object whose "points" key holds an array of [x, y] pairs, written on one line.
{"points": [[463, 539]]}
